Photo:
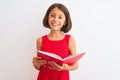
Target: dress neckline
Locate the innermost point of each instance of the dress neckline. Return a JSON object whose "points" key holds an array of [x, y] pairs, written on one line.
{"points": [[56, 40]]}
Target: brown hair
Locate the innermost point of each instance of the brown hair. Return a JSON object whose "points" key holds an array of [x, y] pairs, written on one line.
{"points": [[67, 27]]}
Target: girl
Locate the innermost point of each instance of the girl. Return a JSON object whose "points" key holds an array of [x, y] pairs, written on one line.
{"points": [[58, 20]]}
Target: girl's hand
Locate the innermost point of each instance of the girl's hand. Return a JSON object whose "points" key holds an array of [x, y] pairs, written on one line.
{"points": [[37, 62], [58, 67]]}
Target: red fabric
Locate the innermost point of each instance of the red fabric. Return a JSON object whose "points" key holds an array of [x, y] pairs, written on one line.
{"points": [[59, 47]]}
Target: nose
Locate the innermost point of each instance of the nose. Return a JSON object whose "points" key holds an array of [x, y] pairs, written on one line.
{"points": [[56, 18]]}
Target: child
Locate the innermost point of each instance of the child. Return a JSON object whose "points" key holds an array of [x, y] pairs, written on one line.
{"points": [[57, 19]]}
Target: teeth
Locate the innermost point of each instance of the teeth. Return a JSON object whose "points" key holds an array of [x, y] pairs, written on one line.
{"points": [[55, 24]]}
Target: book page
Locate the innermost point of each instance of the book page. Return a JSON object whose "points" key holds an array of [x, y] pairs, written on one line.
{"points": [[50, 54], [69, 57], [72, 56]]}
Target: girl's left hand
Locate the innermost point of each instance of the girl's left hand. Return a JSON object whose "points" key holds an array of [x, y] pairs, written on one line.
{"points": [[58, 67]]}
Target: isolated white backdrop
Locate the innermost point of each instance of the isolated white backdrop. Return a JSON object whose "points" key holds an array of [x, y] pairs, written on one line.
{"points": [[96, 28]]}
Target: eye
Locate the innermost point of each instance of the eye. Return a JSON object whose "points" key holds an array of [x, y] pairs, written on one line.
{"points": [[60, 17], [52, 15]]}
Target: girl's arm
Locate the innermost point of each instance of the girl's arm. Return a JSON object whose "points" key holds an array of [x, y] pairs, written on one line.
{"points": [[37, 62], [72, 47]]}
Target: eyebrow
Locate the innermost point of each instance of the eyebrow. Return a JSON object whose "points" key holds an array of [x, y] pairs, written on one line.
{"points": [[55, 13]]}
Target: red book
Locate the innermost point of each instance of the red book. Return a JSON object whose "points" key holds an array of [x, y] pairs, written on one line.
{"points": [[53, 57]]}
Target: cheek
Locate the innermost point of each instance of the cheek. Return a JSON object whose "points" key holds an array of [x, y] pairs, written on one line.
{"points": [[49, 20], [64, 22]]}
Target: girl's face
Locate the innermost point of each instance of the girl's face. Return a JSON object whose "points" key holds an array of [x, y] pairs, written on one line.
{"points": [[56, 19]]}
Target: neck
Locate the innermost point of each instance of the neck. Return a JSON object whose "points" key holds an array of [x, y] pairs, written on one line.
{"points": [[55, 35]]}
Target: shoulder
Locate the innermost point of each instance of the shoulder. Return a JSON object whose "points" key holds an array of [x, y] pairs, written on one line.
{"points": [[39, 42], [39, 39], [71, 38]]}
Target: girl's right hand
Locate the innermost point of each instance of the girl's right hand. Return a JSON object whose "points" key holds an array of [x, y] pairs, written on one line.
{"points": [[37, 62]]}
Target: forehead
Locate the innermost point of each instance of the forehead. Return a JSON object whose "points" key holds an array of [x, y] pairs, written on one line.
{"points": [[56, 10]]}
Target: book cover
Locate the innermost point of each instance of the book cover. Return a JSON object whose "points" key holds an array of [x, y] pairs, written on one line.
{"points": [[56, 58]]}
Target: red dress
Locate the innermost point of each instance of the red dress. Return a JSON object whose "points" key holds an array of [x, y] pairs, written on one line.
{"points": [[59, 47]]}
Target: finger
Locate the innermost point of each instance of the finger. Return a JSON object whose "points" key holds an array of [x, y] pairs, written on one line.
{"points": [[38, 58], [65, 64], [54, 68], [49, 67], [52, 64], [34, 60], [55, 64], [42, 61]]}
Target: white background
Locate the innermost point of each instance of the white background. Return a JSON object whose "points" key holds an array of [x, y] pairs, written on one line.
{"points": [[96, 28]]}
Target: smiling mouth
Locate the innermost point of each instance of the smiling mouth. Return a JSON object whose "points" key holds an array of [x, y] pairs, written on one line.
{"points": [[55, 24]]}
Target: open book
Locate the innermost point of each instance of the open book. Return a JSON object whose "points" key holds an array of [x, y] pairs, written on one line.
{"points": [[53, 57]]}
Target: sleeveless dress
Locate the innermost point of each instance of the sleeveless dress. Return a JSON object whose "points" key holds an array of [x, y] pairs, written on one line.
{"points": [[59, 47]]}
